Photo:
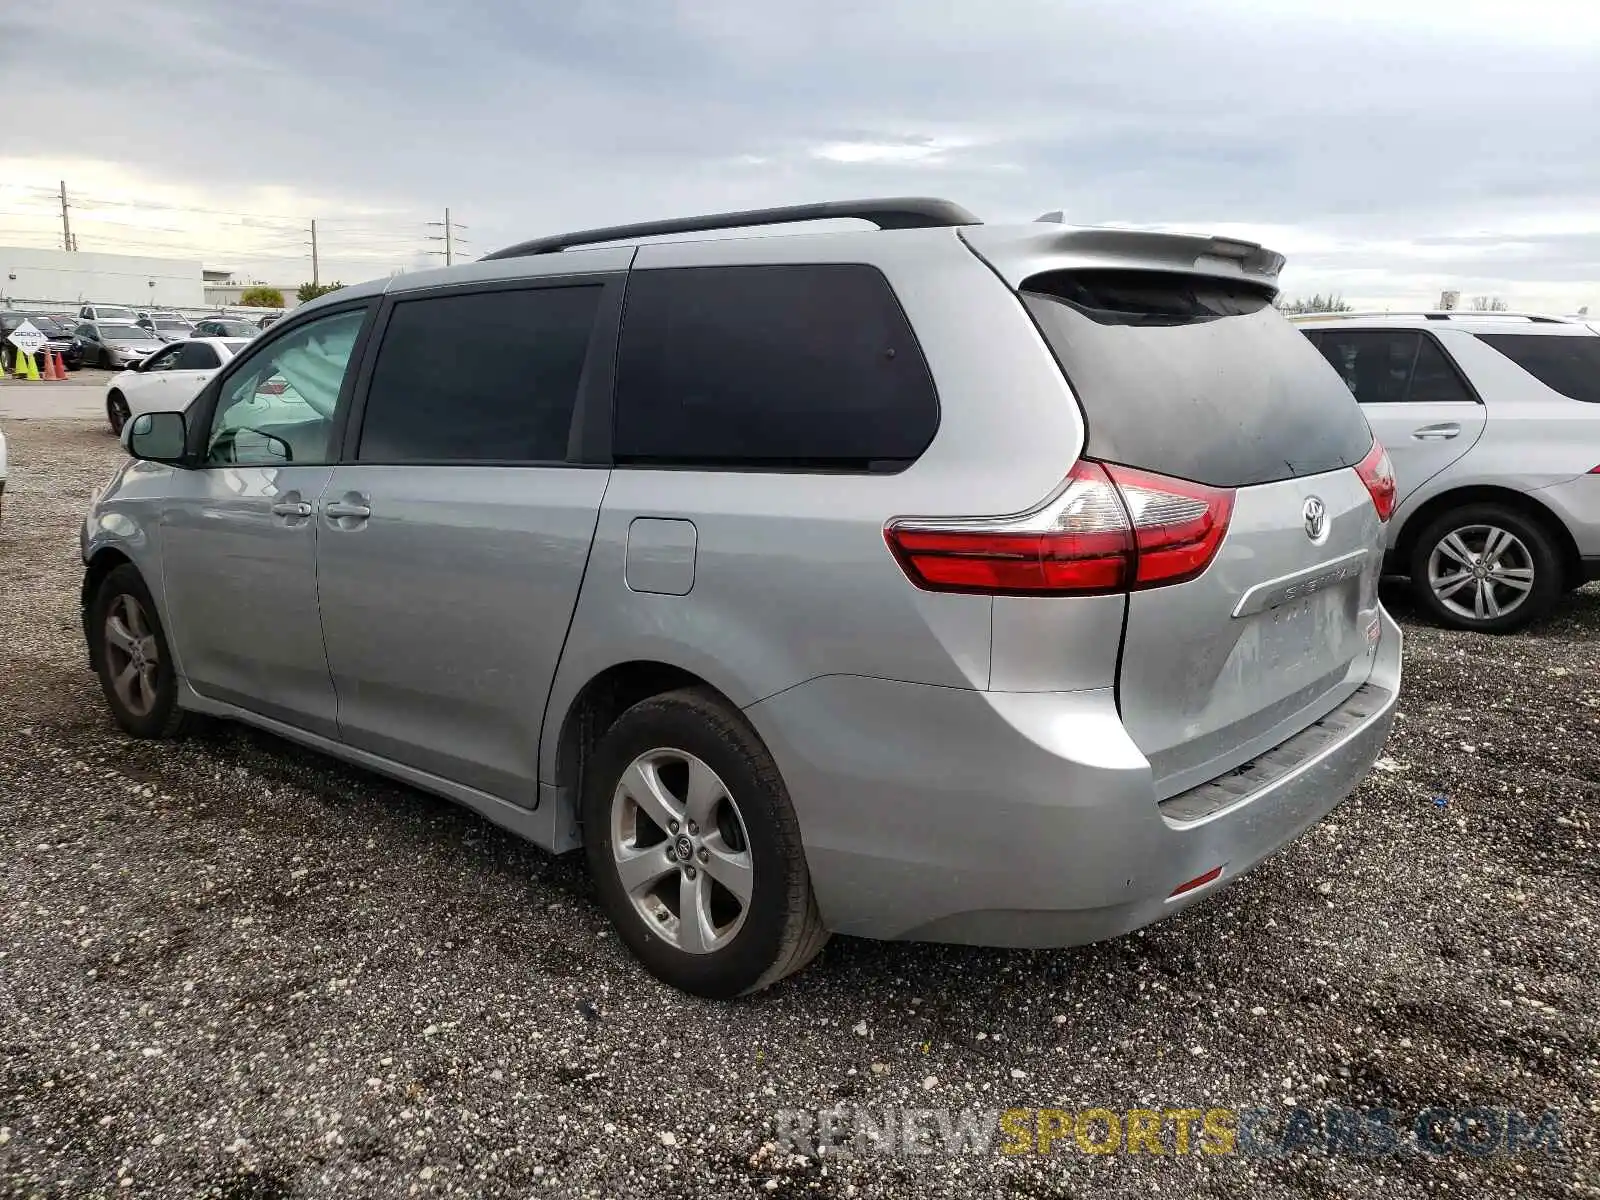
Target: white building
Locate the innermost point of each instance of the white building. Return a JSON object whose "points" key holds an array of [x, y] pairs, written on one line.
{"points": [[224, 289], [29, 275]]}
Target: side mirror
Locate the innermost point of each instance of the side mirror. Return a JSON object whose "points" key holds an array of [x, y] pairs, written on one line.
{"points": [[158, 437]]}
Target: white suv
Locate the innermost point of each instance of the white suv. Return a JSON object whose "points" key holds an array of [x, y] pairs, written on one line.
{"points": [[1492, 421]]}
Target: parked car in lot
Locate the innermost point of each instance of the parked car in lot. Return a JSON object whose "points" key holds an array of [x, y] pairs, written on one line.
{"points": [[169, 379], [168, 326], [106, 312], [1492, 421], [805, 592], [59, 340], [115, 345], [62, 340], [225, 327]]}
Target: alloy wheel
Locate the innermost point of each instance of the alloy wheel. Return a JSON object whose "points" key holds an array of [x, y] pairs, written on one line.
{"points": [[132, 655], [681, 850], [1481, 572]]}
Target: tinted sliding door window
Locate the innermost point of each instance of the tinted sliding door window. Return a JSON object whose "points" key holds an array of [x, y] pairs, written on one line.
{"points": [[481, 377], [770, 367]]}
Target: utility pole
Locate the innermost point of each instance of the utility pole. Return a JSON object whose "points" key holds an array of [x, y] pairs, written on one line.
{"points": [[448, 237], [66, 221], [316, 281]]}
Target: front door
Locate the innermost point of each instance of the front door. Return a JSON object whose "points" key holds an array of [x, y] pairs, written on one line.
{"points": [[452, 547], [148, 389], [240, 533]]}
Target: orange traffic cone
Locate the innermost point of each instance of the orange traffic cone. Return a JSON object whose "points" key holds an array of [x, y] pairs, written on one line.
{"points": [[61, 366], [48, 374]]}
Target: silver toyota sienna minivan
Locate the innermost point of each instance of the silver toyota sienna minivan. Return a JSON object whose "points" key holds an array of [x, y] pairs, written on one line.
{"points": [[937, 581]]}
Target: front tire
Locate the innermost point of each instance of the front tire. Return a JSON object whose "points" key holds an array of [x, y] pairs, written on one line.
{"points": [[132, 658], [695, 849], [117, 411], [1486, 568]]}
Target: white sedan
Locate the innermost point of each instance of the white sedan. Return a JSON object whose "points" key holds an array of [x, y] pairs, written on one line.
{"points": [[168, 379]]}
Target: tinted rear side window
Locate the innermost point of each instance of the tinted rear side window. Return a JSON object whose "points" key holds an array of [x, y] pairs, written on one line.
{"points": [[1565, 364], [488, 376], [809, 366], [1196, 378], [1392, 366]]}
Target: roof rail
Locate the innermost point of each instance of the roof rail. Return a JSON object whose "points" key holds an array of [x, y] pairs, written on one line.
{"points": [[1438, 315], [904, 212]]}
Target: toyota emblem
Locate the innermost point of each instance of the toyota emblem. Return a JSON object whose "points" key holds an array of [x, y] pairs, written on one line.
{"points": [[1315, 514]]}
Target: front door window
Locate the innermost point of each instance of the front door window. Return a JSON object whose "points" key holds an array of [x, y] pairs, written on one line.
{"points": [[277, 408]]}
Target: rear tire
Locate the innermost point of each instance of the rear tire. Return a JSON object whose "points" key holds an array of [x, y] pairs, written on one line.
{"points": [[132, 658], [1487, 568], [665, 761]]}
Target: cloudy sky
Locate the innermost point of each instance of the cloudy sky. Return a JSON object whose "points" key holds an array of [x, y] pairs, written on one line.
{"points": [[1389, 147]]}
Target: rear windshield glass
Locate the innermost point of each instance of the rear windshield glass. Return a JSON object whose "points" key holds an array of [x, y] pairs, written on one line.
{"points": [[1196, 378], [1566, 364]]}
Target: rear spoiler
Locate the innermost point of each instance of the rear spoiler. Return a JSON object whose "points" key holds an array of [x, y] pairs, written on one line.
{"points": [[1018, 252]]}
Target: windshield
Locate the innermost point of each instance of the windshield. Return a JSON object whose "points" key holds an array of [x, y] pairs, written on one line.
{"points": [[109, 312], [171, 323], [124, 333], [50, 326], [236, 328]]}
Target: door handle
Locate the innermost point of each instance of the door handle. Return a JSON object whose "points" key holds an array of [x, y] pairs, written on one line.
{"points": [[1436, 433], [343, 509], [292, 508]]}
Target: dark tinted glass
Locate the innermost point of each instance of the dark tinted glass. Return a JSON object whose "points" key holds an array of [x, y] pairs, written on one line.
{"points": [[1375, 365], [1196, 378], [1393, 366], [490, 376], [197, 356], [1435, 379], [811, 366], [1566, 364]]}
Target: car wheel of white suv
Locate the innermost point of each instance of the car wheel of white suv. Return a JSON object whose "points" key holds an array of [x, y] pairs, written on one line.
{"points": [[116, 411], [695, 849], [1485, 567]]}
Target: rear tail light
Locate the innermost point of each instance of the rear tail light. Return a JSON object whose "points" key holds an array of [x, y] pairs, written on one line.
{"points": [[1111, 529], [1378, 474]]}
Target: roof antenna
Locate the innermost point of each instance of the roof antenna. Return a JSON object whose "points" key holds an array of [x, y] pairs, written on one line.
{"points": [[1055, 218]]}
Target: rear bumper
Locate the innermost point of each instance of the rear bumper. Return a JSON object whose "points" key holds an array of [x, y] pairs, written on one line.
{"points": [[1030, 819]]}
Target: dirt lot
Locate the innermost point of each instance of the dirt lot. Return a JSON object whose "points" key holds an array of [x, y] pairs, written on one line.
{"points": [[229, 968]]}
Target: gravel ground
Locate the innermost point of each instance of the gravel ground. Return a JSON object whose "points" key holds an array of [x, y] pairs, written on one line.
{"points": [[229, 968]]}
